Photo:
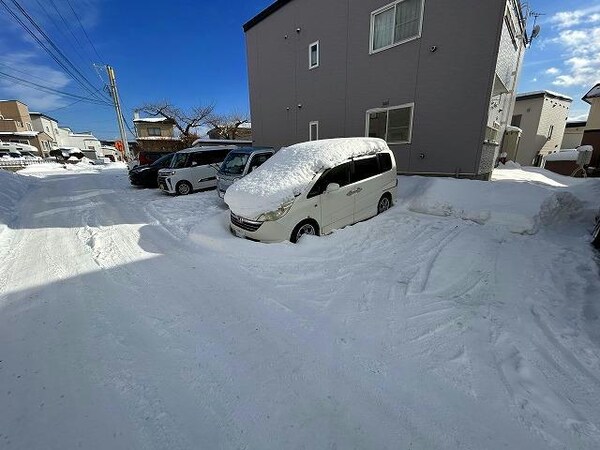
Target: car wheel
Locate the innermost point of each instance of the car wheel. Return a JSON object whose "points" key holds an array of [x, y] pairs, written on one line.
{"points": [[308, 227], [183, 188], [385, 203], [596, 235]]}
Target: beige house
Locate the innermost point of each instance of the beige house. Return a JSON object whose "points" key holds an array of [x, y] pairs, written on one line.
{"points": [[591, 134], [156, 134], [573, 134], [16, 125], [543, 117]]}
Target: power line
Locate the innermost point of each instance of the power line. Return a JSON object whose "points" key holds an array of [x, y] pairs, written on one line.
{"points": [[60, 29], [77, 76], [50, 90], [83, 29]]}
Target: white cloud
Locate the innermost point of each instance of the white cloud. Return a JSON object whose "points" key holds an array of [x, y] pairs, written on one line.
{"points": [[569, 19], [582, 57], [552, 71], [578, 118], [24, 65]]}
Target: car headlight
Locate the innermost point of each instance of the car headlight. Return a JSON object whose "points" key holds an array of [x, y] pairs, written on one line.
{"points": [[172, 172], [277, 214]]}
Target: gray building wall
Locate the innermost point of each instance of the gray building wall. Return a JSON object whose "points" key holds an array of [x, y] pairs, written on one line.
{"points": [[451, 87]]}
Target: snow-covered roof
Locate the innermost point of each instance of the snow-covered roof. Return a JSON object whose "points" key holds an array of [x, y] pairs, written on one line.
{"points": [[153, 120], [20, 133], [543, 93], [289, 172], [156, 138], [563, 155], [593, 93]]}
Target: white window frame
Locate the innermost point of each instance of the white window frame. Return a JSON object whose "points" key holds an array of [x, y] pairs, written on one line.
{"points": [[310, 66], [387, 122], [392, 5], [310, 125]]}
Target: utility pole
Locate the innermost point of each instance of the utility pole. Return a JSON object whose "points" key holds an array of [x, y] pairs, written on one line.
{"points": [[115, 96]]}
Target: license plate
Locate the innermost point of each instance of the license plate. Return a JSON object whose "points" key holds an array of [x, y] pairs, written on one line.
{"points": [[239, 234]]}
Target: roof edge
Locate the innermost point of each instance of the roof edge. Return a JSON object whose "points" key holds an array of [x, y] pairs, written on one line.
{"points": [[273, 7], [536, 94]]}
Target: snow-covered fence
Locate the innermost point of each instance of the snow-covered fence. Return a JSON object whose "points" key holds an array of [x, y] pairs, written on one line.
{"points": [[16, 164]]}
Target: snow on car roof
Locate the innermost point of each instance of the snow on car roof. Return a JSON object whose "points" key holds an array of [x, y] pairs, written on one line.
{"points": [[287, 173]]}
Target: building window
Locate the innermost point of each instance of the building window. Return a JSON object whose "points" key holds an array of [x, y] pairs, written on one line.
{"points": [[395, 24], [313, 131], [550, 132], [313, 55], [394, 124], [153, 131], [516, 120]]}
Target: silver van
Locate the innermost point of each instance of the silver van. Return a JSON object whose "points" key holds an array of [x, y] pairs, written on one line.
{"points": [[239, 163], [193, 169]]}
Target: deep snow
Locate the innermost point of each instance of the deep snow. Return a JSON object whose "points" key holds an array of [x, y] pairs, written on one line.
{"points": [[467, 316]]}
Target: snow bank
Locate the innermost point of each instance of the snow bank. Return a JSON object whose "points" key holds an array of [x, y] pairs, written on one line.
{"points": [[13, 188], [522, 200], [289, 171]]}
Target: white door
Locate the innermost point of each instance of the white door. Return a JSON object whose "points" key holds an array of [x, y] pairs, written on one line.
{"points": [[337, 207], [367, 180]]}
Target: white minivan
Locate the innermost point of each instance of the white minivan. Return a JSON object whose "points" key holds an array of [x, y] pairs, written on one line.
{"points": [[313, 188], [193, 169]]}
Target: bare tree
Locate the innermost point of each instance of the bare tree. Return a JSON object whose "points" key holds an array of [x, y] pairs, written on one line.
{"points": [[186, 121], [228, 126]]}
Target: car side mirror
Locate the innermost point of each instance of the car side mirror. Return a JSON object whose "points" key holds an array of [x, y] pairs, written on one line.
{"points": [[252, 169], [332, 187], [194, 164]]}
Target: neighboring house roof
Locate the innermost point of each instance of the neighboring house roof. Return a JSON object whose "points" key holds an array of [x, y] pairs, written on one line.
{"points": [[577, 124], [20, 133], [593, 93], [528, 95], [265, 13], [155, 120], [157, 138], [31, 113]]}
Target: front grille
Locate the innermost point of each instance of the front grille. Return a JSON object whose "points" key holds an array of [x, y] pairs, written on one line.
{"points": [[245, 224]]}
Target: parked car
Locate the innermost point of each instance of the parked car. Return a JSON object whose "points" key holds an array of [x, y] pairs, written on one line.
{"points": [[596, 232], [147, 176], [238, 164], [193, 169], [18, 150], [313, 188]]}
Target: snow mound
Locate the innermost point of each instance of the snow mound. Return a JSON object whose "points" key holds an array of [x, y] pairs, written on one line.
{"points": [[289, 171], [560, 208], [515, 206], [13, 188]]}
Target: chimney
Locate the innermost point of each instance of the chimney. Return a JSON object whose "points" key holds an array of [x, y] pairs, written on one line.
{"points": [[136, 115]]}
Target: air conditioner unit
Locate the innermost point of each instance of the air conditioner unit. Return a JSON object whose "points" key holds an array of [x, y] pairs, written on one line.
{"points": [[584, 155]]}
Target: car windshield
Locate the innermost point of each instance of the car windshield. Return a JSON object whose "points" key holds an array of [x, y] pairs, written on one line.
{"points": [[179, 161], [234, 163], [163, 161]]}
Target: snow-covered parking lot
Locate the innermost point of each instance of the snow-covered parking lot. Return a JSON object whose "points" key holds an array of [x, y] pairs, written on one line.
{"points": [[465, 317]]}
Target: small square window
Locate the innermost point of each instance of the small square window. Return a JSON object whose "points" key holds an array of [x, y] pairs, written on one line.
{"points": [[313, 55], [313, 131], [154, 132]]}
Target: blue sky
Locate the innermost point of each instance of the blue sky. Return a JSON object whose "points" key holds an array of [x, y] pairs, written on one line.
{"points": [[193, 52]]}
